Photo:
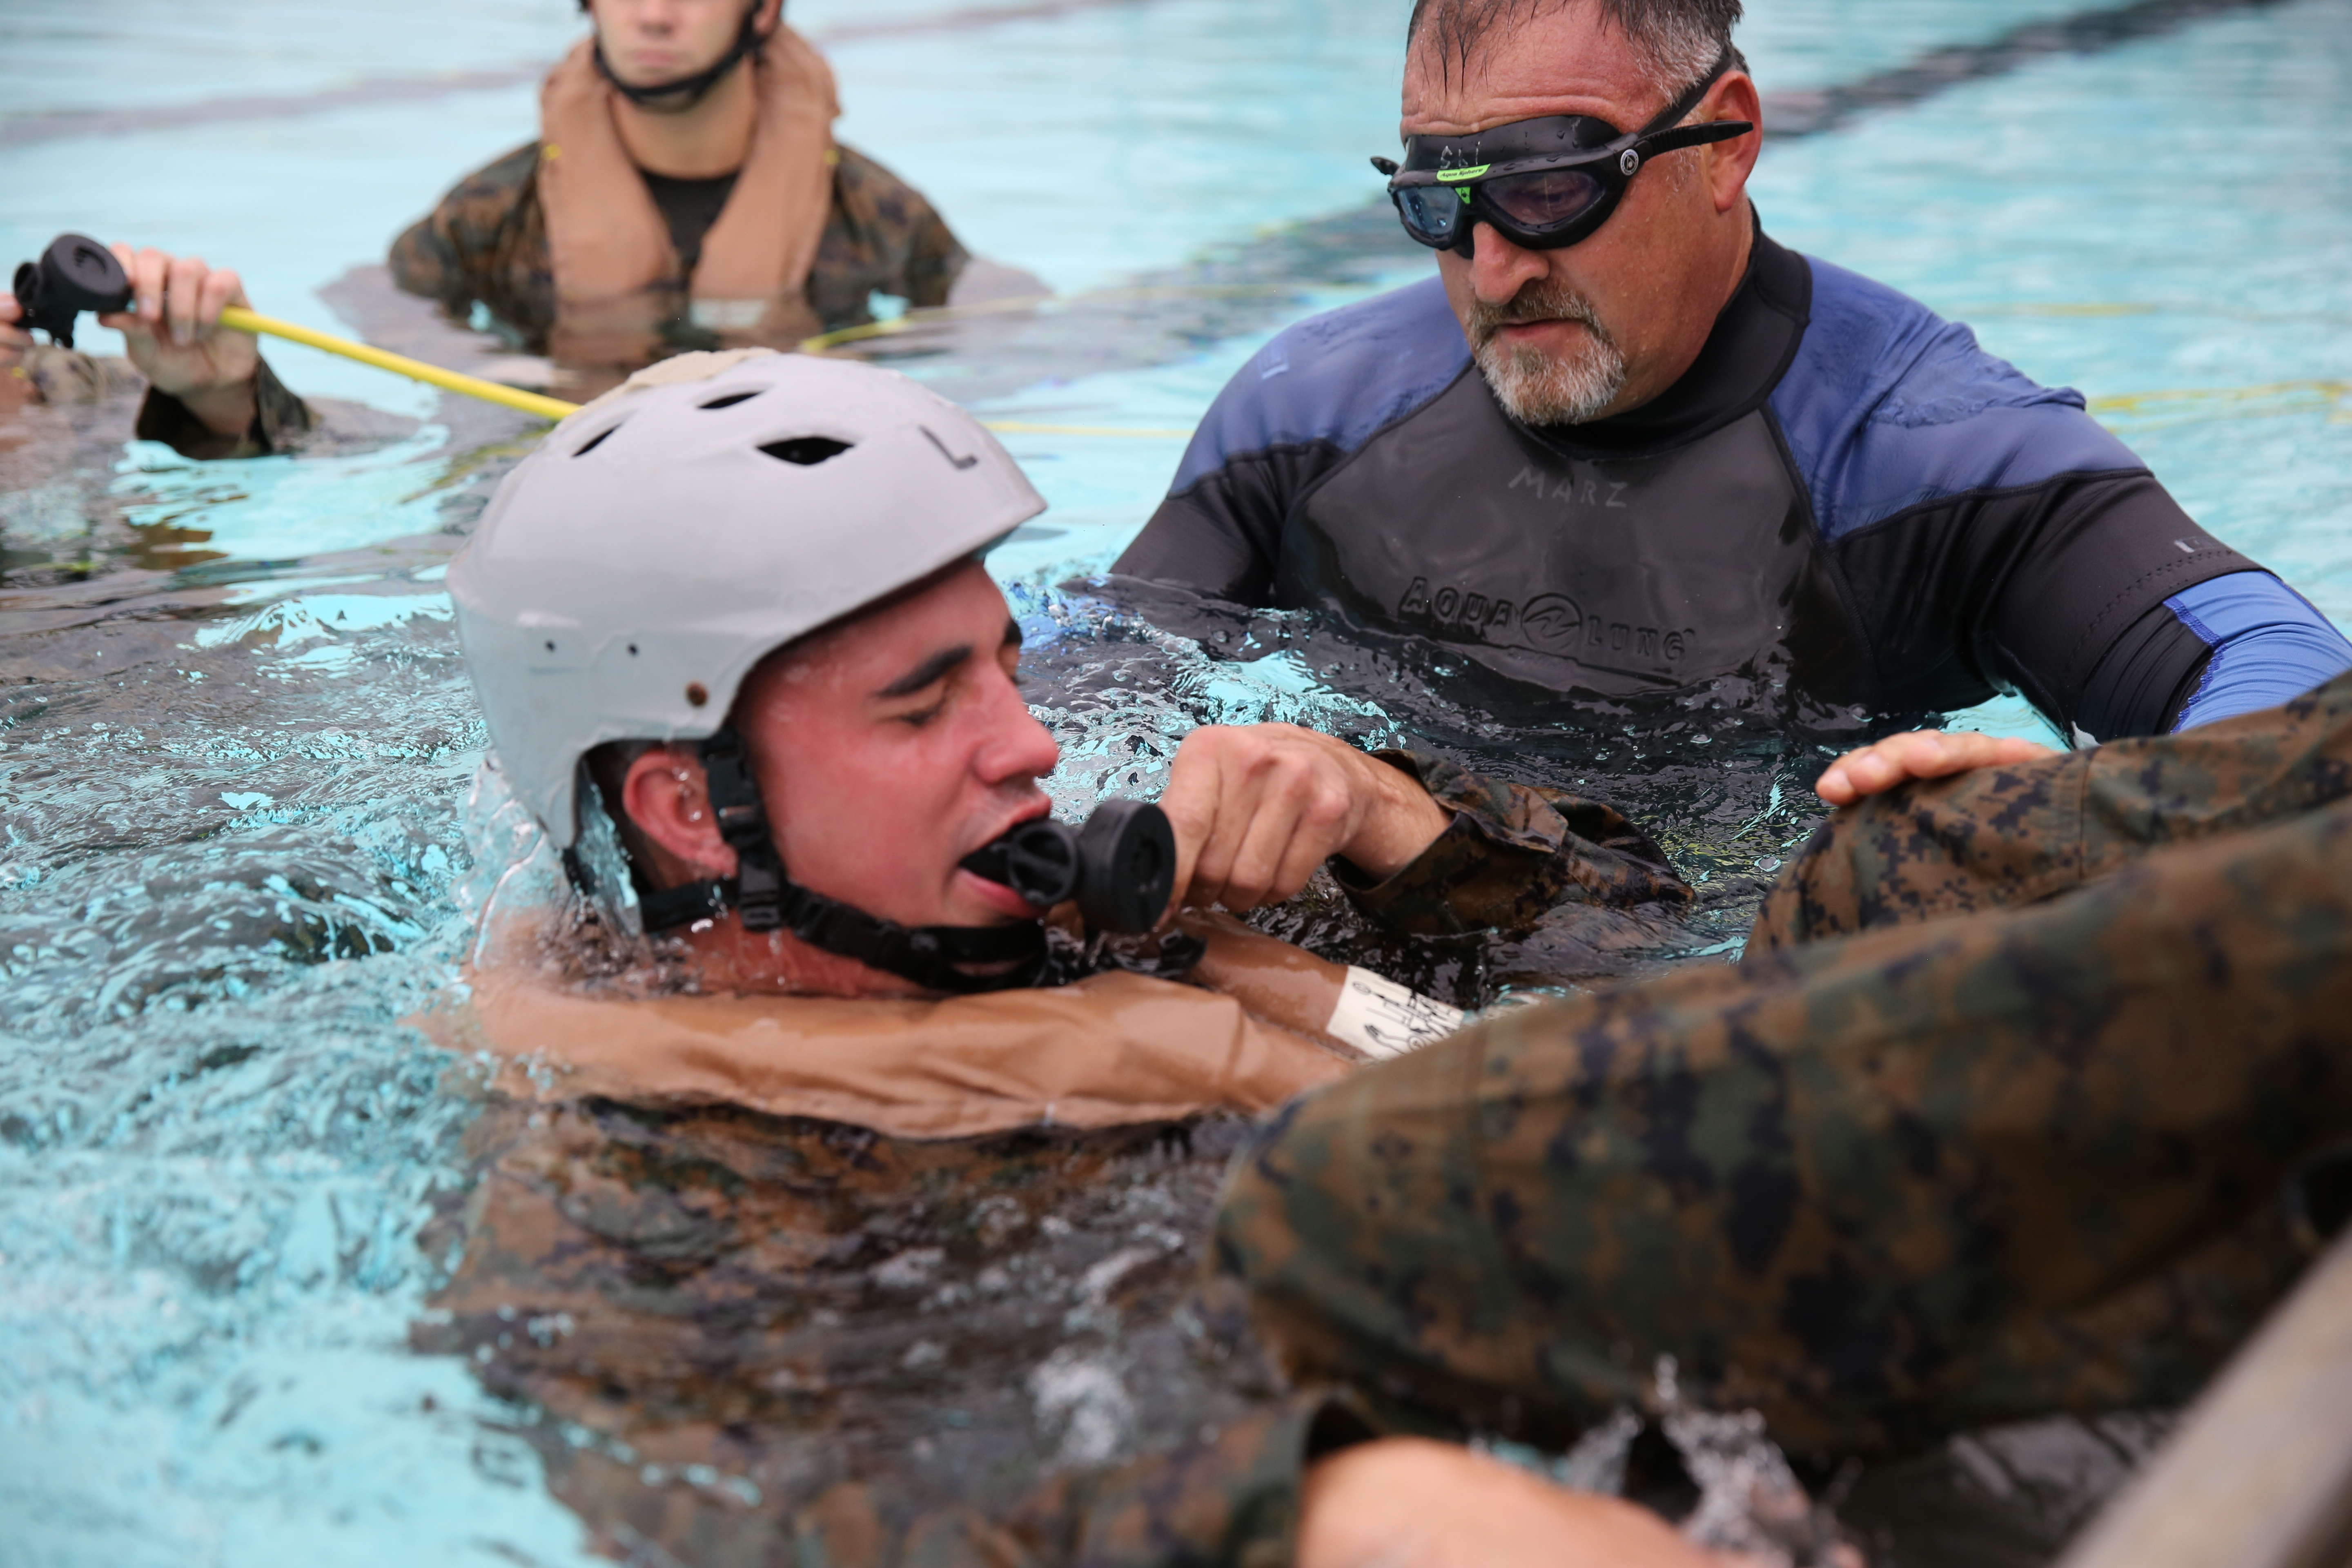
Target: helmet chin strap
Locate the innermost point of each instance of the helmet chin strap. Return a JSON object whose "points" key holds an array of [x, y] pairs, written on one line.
{"points": [[677, 97], [767, 900]]}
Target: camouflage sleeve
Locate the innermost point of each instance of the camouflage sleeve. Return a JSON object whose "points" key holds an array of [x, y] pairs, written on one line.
{"points": [[922, 256], [1882, 1188], [1229, 1502], [61, 376], [2001, 838], [1512, 852], [454, 253], [281, 421]]}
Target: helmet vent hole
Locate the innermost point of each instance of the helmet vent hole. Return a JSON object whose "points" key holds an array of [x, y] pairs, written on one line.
{"points": [[808, 451], [731, 400], [598, 439]]}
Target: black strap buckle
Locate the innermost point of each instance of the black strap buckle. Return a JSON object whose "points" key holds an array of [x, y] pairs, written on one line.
{"points": [[734, 793]]}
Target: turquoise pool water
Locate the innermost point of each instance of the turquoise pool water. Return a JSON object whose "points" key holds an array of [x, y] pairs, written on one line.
{"points": [[236, 752]]}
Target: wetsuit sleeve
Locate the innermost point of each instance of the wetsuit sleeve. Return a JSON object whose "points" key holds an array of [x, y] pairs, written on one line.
{"points": [[1992, 534], [2080, 594], [280, 420], [2095, 622], [1302, 405], [1219, 536], [2266, 644], [1511, 853]]}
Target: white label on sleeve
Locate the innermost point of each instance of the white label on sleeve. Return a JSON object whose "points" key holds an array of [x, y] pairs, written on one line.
{"points": [[1384, 1019]]}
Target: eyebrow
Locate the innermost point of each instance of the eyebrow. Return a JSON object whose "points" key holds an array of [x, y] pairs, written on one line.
{"points": [[944, 662], [929, 672]]}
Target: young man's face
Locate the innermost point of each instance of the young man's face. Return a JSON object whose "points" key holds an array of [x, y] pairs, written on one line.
{"points": [[891, 747], [647, 42]]}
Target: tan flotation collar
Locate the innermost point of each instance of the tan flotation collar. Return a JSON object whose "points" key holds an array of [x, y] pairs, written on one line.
{"points": [[1112, 1050], [607, 243]]}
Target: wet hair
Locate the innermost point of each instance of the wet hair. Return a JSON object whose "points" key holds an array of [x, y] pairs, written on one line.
{"points": [[1680, 39]]}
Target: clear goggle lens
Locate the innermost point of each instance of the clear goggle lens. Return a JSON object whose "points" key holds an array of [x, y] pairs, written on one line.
{"points": [[1546, 199], [1538, 203], [1432, 212]]}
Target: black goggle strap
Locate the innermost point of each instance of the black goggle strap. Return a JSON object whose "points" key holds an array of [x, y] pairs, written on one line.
{"points": [[767, 900], [691, 89]]}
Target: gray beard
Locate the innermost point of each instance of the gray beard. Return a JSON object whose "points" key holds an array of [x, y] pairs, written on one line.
{"points": [[1539, 388]]}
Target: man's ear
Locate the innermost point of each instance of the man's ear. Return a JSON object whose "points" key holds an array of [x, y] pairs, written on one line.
{"points": [[1730, 163], [667, 797], [772, 16]]}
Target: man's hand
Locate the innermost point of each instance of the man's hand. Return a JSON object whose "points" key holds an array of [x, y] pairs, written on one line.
{"points": [[1402, 1502], [1919, 754], [173, 333], [1257, 808]]}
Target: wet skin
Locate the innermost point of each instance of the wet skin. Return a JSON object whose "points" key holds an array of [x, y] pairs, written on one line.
{"points": [[648, 42]]}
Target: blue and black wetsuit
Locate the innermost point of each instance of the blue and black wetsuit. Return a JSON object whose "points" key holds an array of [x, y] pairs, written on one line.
{"points": [[1845, 510]]}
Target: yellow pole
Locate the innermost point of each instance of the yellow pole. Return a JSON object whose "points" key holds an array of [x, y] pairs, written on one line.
{"points": [[244, 320], [238, 319]]}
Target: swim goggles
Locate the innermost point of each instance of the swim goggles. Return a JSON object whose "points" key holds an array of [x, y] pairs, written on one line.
{"points": [[1543, 183]]}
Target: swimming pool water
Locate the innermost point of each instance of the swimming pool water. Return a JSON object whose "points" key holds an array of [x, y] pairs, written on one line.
{"points": [[236, 751]]}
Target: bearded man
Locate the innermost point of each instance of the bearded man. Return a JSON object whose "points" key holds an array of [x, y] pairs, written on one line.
{"points": [[1627, 450]]}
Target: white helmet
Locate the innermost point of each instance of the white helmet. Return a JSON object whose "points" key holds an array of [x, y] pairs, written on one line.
{"points": [[664, 539]]}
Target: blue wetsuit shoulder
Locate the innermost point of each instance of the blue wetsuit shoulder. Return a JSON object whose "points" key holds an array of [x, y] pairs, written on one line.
{"points": [[1888, 409], [1336, 379], [1888, 406]]}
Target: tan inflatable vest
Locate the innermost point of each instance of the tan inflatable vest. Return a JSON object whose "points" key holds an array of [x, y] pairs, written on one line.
{"points": [[1113, 1049], [616, 271]]}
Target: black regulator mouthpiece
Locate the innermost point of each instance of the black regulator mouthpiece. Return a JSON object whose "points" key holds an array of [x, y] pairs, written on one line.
{"points": [[1121, 866], [75, 273]]}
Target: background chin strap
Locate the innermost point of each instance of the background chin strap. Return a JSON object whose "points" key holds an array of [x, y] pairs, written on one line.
{"points": [[767, 900], [688, 90]]}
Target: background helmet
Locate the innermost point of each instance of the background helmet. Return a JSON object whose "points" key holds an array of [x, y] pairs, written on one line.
{"points": [[664, 539]]}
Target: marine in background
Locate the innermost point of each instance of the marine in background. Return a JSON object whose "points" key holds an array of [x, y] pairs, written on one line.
{"points": [[685, 191]]}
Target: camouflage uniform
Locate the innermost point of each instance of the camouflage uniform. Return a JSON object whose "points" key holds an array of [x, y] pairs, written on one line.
{"points": [[61, 376], [2017, 1146], [1511, 855], [1925, 1177], [487, 242], [752, 1340]]}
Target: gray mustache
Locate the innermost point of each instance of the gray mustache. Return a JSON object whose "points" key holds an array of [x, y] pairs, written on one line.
{"points": [[1528, 306]]}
